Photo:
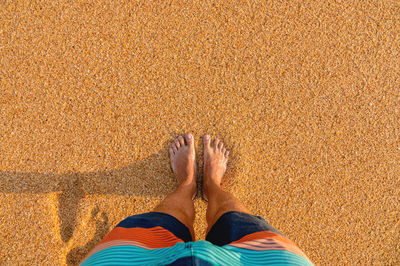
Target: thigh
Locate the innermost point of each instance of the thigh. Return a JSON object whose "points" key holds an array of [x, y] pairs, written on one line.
{"points": [[141, 238], [233, 226], [255, 240]]}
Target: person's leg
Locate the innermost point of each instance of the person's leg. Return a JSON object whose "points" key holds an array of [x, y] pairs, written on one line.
{"points": [[231, 224], [219, 201], [180, 202]]}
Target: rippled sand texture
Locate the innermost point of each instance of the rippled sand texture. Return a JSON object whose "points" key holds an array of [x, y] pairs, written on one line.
{"points": [[305, 94]]}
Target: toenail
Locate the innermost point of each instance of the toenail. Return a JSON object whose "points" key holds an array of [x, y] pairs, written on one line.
{"points": [[189, 136], [207, 137]]}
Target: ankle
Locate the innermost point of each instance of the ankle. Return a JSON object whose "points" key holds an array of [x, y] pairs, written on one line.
{"points": [[212, 186], [186, 186]]}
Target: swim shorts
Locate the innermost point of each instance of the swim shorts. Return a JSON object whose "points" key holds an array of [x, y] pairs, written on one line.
{"points": [[156, 238]]}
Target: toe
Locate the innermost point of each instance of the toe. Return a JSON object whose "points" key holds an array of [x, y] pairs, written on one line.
{"points": [[226, 154], [174, 148], [223, 150], [207, 141], [177, 144], [220, 145], [181, 141], [216, 142], [189, 140], [171, 152]]}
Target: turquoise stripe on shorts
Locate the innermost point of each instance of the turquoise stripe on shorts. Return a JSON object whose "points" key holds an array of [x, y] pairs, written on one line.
{"points": [[204, 250]]}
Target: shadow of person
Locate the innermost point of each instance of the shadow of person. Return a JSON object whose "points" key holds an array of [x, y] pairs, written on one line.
{"points": [[68, 201], [76, 255], [150, 177]]}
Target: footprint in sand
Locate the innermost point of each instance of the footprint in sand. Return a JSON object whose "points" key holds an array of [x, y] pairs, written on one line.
{"points": [[76, 255]]}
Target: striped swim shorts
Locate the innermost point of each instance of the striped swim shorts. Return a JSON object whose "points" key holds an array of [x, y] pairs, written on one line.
{"points": [[156, 238]]}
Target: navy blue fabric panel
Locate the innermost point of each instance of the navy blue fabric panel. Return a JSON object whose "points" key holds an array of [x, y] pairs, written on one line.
{"points": [[153, 219], [232, 226], [190, 261]]}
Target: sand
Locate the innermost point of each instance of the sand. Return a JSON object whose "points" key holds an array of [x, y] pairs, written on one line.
{"points": [[304, 94]]}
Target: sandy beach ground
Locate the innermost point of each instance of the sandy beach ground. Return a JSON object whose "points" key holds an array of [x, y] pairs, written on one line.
{"points": [[305, 94]]}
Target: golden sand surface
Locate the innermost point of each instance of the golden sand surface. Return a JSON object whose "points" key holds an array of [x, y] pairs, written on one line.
{"points": [[305, 94]]}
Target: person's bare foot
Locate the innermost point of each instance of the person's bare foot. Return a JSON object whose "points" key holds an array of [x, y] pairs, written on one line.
{"points": [[183, 164], [215, 161]]}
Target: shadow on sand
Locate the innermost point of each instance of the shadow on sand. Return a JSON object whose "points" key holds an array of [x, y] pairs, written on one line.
{"points": [[77, 254], [151, 177]]}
